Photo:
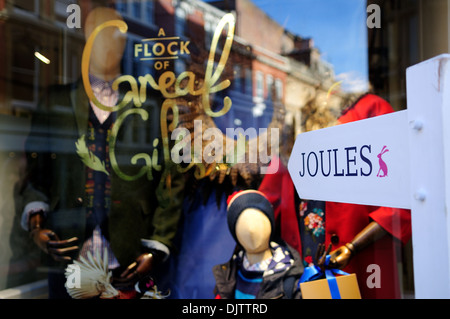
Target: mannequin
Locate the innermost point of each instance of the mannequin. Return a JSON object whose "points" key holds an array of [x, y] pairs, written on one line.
{"points": [[135, 221], [253, 233], [105, 65], [340, 257], [261, 267], [373, 231], [359, 235]]}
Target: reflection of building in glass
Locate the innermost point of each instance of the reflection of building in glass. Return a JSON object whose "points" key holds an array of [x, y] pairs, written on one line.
{"points": [[288, 66], [411, 31], [275, 75], [268, 65], [30, 33]]}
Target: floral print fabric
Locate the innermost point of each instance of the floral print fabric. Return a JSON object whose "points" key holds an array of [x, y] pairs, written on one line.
{"points": [[312, 228]]}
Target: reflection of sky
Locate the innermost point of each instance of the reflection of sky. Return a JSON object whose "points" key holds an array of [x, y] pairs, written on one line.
{"points": [[338, 28]]}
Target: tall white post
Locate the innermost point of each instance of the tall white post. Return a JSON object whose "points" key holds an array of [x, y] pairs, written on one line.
{"points": [[428, 96]]}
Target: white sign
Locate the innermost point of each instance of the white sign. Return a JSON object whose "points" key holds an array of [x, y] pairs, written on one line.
{"points": [[428, 96], [364, 162], [350, 163]]}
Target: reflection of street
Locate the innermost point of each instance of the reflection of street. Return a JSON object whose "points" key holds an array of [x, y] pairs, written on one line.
{"points": [[268, 81], [23, 259]]}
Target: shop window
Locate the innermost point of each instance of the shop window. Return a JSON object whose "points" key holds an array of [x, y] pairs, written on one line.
{"points": [[209, 32], [122, 6], [25, 70], [279, 89], [180, 22], [61, 9], [278, 79], [210, 23], [136, 9], [142, 11], [149, 9], [237, 80], [269, 86], [248, 81], [259, 85]]}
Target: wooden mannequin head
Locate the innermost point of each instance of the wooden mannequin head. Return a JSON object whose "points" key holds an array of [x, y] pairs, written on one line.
{"points": [[109, 44], [253, 230], [250, 223]]}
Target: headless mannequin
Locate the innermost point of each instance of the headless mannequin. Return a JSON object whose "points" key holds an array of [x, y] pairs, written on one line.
{"points": [[253, 231], [108, 47], [260, 264], [107, 52], [105, 65]]}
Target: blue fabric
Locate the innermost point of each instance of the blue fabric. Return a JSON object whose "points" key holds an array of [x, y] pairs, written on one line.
{"points": [[247, 279], [205, 241], [311, 273], [332, 283], [240, 295]]}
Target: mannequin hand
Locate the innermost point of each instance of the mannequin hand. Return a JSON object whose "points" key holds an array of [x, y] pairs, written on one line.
{"points": [[49, 242], [135, 271], [339, 258]]}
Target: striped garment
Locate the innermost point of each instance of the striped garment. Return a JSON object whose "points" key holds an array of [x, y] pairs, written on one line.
{"points": [[250, 277], [248, 283]]}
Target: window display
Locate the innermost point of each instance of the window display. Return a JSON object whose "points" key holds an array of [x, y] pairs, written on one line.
{"points": [[127, 125], [263, 267]]}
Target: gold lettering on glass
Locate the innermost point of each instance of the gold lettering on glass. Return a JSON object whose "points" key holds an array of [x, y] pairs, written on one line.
{"points": [[168, 84]]}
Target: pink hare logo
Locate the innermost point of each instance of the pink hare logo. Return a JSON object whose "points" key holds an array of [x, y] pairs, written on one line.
{"points": [[383, 166]]}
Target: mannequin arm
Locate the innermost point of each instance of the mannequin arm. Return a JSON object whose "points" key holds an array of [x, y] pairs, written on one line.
{"points": [[340, 257], [370, 234], [49, 242]]}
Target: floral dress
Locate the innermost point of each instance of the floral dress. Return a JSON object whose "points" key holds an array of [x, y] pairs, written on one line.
{"points": [[312, 228]]}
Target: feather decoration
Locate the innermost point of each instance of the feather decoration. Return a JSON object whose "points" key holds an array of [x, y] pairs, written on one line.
{"points": [[88, 158], [154, 294], [94, 278], [148, 289]]}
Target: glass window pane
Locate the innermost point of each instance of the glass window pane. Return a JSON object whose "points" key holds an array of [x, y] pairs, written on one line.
{"points": [[126, 125]]}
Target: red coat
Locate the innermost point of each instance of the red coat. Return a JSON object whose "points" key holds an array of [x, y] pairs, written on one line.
{"points": [[345, 221]]}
